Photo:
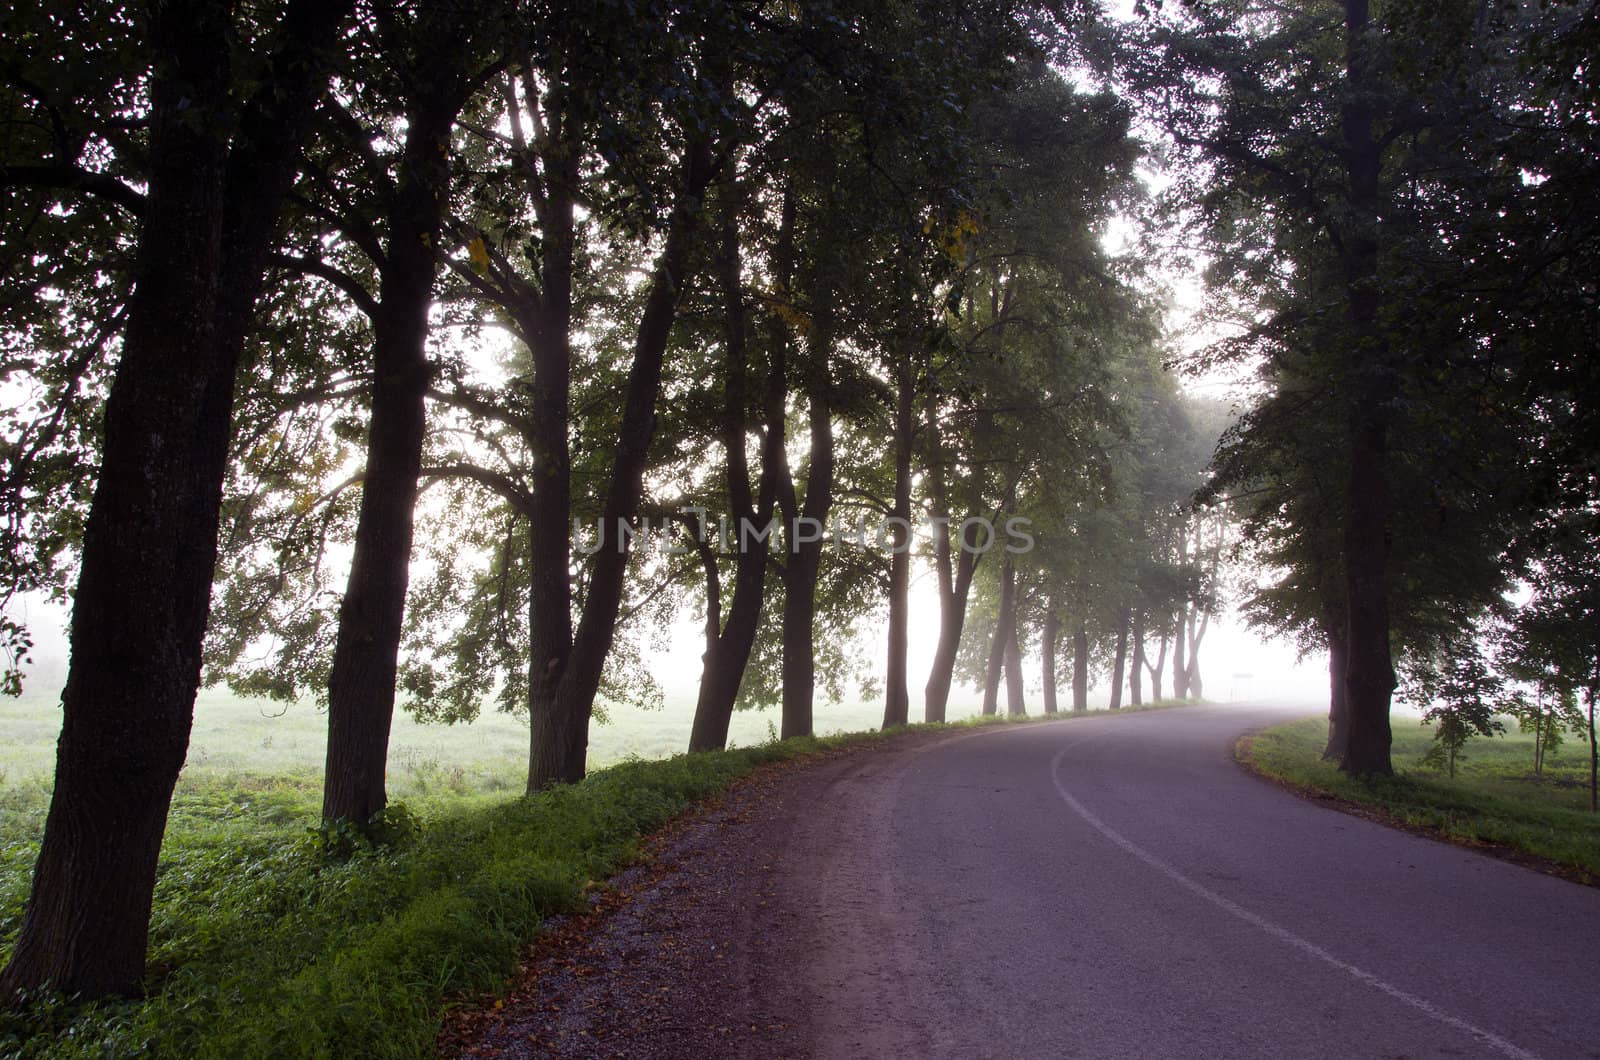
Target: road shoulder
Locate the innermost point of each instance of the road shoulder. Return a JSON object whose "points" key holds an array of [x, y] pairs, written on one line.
{"points": [[687, 952]]}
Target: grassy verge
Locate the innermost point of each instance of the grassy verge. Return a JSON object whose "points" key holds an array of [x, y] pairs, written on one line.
{"points": [[271, 949], [1495, 802], [263, 946]]}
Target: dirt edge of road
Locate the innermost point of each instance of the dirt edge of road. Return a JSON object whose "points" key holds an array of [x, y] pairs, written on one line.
{"points": [[648, 969]]}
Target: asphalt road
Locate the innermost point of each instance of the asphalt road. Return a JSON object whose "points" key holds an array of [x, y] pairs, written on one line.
{"points": [[1106, 886], [1117, 887]]}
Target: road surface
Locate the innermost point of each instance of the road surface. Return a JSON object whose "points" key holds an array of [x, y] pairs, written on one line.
{"points": [[1109, 886]]}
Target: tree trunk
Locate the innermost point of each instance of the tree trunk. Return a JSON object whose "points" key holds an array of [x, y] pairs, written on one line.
{"points": [[798, 652], [1200, 616], [1080, 667], [728, 653], [1119, 664], [993, 670], [729, 645], [1369, 677], [149, 546], [805, 560], [559, 737], [1180, 667], [952, 617], [1156, 670], [1338, 713], [1594, 759], [129, 697], [897, 695], [1047, 649], [1136, 669], [999, 640], [1016, 705], [1369, 670], [954, 563], [361, 685], [1538, 731], [551, 721]]}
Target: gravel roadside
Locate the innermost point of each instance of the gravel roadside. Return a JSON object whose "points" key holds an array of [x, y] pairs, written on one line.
{"points": [[706, 948]]}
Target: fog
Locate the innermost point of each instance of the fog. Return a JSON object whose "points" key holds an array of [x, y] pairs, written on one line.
{"points": [[1236, 665]]}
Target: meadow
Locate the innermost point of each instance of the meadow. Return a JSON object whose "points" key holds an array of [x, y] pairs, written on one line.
{"points": [[234, 736]]}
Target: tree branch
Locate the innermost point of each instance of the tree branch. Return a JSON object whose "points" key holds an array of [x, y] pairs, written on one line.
{"points": [[72, 178]]}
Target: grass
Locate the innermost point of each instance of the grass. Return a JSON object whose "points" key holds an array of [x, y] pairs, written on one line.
{"points": [[272, 949], [1494, 800], [262, 945], [234, 736]]}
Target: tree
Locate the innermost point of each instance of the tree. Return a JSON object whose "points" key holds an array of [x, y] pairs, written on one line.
{"points": [[729, 642], [217, 173], [1020, 384], [1379, 199], [436, 53], [1460, 695], [1560, 626]]}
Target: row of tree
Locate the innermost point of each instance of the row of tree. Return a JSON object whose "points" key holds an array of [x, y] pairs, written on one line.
{"points": [[339, 331]]}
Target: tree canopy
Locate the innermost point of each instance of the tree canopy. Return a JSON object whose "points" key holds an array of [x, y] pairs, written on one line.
{"points": [[441, 354]]}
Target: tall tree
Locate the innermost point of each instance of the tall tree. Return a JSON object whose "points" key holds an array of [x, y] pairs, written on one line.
{"points": [[217, 173], [729, 642], [1369, 146], [434, 48]]}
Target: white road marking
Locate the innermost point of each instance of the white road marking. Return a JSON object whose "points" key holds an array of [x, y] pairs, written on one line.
{"points": [[1280, 933]]}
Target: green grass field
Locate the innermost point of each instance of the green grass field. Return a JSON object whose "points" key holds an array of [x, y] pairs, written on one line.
{"points": [[262, 944], [234, 736], [1494, 798]]}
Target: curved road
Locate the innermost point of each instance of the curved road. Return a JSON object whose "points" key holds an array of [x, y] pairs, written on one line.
{"points": [[1115, 886]]}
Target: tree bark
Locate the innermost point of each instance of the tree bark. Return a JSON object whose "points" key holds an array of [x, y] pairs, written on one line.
{"points": [[999, 640], [804, 562], [1016, 705], [957, 571], [1594, 759], [1080, 667], [1180, 667], [897, 694], [1338, 713], [1119, 663], [361, 685], [550, 629], [1369, 677], [149, 547], [1157, 669], [1539, 731], [1047, 649], [1200, 615], [954, 563]]}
